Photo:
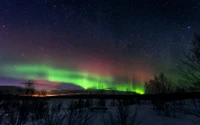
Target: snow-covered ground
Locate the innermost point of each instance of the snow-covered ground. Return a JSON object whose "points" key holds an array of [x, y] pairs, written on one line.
{"points": [[146, 116]]}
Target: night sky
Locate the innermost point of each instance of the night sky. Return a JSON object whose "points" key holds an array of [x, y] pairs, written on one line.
{"points": [[94, 43]]}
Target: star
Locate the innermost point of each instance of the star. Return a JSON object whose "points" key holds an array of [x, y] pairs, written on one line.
{"points": [[80, 37]]}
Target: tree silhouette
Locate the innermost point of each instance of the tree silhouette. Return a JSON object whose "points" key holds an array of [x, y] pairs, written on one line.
{"points": [[123, 115], [29, 88], [160, 84], [190, 69]]}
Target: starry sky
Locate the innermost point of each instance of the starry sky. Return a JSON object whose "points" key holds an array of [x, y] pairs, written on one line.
{"points": [[113, 42]]}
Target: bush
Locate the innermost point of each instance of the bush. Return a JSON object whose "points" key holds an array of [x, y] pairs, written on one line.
{"points": [[77, 115], [161, 85], [121, 116]]}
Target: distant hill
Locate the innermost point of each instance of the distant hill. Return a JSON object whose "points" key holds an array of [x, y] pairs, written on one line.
{"points": [[89, 91], [11, 89]]}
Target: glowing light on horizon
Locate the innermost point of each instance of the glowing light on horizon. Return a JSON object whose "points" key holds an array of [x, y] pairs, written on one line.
{"points": [[83, 79]]}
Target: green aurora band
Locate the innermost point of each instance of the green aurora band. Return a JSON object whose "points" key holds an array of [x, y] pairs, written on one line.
{"points": [[78, 78]]}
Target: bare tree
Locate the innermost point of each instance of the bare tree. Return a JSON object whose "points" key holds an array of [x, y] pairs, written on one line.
{"points": [[18, 111], [190, 69], [77, 115], [54, 115], [29, 88], [159, 85], [123, 115], [101, 101], [38, 109], [3, 107]]}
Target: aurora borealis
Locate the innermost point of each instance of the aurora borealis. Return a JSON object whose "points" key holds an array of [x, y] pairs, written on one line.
{"points": [[82, 79], [99, 44]]}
